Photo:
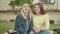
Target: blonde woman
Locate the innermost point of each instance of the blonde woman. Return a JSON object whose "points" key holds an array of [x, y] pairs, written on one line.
{"points": [[23, 22]]}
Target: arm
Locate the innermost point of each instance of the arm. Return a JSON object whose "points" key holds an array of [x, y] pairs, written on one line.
{"points": [[31, 26], [17, 25], [47, 22], [46, 27]]}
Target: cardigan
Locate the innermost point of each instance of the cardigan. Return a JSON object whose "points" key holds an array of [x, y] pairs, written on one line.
{"points": [[20, 24]]}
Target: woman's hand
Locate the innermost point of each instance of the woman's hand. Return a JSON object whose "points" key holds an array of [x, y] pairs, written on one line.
{"points": [[43, 28], [10, 31], [37, 30]]}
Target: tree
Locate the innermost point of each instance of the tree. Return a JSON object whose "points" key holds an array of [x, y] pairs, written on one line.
{"points": [[20, 2], [12, 4]]}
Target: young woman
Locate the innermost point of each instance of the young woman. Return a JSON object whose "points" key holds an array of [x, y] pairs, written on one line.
{"points": [[40, 20], [23, 22]]}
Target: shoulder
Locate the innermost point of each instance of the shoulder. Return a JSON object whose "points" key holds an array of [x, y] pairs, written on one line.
{"points": [[46, 14], [18, 15]]}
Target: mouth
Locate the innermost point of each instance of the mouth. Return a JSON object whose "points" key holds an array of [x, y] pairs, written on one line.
{"points": [[26, 9], [36, 10]]}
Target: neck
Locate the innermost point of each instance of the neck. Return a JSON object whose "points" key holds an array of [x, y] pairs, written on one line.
{"points": [[26, 16]]}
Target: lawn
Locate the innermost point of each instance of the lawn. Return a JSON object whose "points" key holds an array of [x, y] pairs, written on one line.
{"points": [[5, 26]]}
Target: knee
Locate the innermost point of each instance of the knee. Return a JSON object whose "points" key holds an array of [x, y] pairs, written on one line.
{"points": [[45, 32]]}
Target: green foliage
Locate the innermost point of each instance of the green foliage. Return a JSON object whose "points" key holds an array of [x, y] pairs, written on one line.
{"points": [[12, 4], [20, 2]]}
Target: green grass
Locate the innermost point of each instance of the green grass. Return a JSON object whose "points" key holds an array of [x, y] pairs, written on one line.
{"points": [[54, 26], [7, 26]]}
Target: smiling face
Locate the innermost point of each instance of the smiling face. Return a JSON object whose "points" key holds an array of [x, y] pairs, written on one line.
{"points": [[37, 9], [26, 8]]}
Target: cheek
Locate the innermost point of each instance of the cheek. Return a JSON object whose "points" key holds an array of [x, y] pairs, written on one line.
{"points": [[28, 8], [37, 9]]}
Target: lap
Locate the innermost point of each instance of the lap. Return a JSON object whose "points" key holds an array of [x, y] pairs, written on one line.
{"points": [[43, 32]]}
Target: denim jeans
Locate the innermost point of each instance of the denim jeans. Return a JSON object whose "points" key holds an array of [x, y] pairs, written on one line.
{"points": [[43, 32]]}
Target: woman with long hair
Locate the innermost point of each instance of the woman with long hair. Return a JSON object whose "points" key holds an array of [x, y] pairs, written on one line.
{"points": [[40, 20], [23, 22]]}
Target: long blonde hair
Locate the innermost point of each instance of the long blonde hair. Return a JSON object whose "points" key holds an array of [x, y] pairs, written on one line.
{"points": [[23, 10]]}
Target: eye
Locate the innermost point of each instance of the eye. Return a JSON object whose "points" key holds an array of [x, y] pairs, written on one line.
{"points": [[27, 6]]}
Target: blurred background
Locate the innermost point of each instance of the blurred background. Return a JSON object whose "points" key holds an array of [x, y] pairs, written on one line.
{"points": [[10, 8]]}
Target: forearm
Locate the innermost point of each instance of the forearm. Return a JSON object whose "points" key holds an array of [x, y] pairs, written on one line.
{"points": [[44, 28]]}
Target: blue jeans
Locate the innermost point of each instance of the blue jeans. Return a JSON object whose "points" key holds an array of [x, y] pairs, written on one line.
{"points": [[43, 32]]}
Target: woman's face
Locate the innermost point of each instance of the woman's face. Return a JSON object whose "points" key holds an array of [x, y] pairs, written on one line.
{"points": [[37, 9], [26, 8]]}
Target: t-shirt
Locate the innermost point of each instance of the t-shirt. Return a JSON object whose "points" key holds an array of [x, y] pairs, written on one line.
{"points": [[41, 21]]}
